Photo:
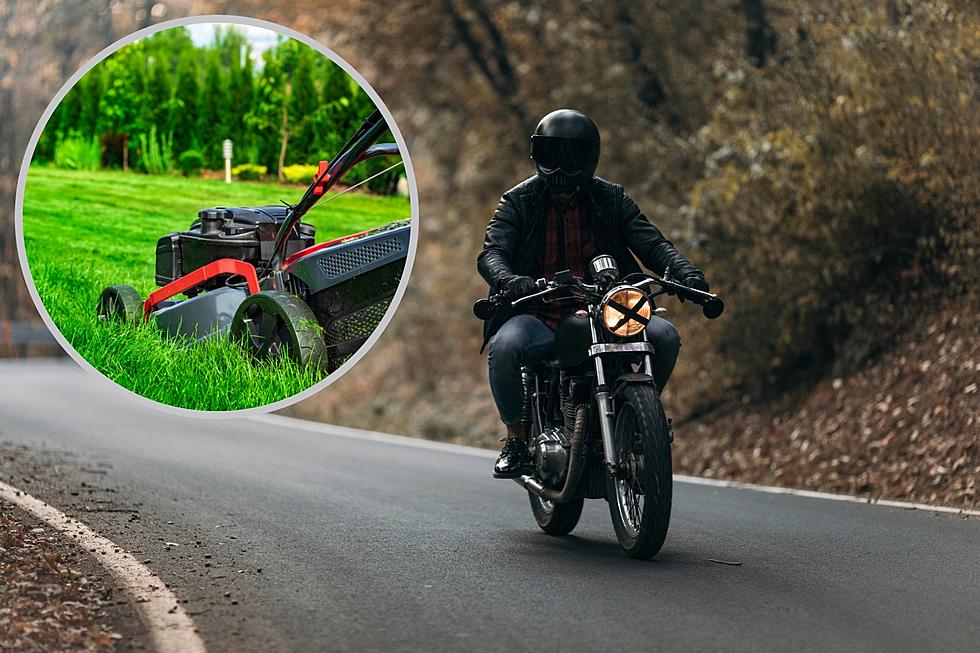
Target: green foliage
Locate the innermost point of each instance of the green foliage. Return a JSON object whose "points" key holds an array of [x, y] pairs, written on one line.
{"points": [[156, 155], [386, 184], [77, 153], [112, 242], [190, 163], [199, 96], [187, 104], [299, 173], [249, 171]]}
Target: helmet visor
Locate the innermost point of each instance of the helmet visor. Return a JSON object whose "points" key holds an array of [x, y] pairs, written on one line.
{"points": [[571, 155]]}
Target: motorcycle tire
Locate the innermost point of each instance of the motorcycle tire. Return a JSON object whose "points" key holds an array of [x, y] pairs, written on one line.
{"points": [[556, 518], [639, 495]]}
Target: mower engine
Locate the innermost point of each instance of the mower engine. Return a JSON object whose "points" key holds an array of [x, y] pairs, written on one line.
{"points": [[244, 233]]}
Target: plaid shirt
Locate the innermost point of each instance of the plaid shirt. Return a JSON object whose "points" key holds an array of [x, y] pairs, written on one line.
{"points": [[569, 244]]}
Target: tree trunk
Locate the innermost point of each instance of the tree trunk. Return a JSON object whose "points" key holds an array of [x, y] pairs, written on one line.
{"points": [[760, 38], [125, 153], [284, 130]]}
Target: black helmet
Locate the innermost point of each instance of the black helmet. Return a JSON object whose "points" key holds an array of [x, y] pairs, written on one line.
{"points": [[565, 149]]}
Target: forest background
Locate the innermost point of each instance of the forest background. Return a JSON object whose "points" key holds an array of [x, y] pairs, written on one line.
{"points": [[165, 104]]}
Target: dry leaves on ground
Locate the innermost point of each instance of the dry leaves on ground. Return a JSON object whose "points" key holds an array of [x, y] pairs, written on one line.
{"points": [[46, 603]]}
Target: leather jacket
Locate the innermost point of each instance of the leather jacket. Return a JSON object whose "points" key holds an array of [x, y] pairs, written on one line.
{"points": [[513, 240]]}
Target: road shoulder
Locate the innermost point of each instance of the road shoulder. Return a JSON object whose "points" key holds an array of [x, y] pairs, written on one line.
{"points": [[56, 597]]}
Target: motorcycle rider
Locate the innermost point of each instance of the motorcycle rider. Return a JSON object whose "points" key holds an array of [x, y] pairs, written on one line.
{"points": [[560, 219]]}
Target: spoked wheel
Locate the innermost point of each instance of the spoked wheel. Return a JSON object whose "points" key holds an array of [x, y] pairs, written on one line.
{"points": [[640, 494], [270, 323], [556, 518], [120, 303]]}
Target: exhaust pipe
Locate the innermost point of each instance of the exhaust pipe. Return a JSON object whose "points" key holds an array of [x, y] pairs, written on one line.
{"points": [[576, 464]]}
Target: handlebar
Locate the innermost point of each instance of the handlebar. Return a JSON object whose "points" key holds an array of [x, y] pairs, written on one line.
{"points": [[711, 304]]}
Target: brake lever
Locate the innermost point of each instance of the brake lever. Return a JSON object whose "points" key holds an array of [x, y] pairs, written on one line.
{"points": [[527, 298]]}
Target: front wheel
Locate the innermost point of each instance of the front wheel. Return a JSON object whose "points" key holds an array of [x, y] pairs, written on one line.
{"points": [[640, 494], [556, 518], [120, 303]]}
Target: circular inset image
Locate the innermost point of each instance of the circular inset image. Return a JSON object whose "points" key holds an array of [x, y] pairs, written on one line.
{"points": [[217, 214]]}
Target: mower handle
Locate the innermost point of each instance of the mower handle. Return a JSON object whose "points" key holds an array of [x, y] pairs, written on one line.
{"points": [[359, 147], [380, 149]]}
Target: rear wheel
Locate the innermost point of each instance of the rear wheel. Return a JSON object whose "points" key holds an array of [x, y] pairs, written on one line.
{"points": [[640, 494], [121, 303], [272, 323], [556, 518]]}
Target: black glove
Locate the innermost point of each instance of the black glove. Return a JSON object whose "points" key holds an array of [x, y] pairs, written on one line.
{"points": [[517, 286], [695, 281]]}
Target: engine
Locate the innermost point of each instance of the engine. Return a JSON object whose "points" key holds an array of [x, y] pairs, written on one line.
{"points": [[243, 233], [551, 456]]}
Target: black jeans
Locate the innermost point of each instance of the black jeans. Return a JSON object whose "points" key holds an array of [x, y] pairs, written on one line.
{"points": [[524, 340]]}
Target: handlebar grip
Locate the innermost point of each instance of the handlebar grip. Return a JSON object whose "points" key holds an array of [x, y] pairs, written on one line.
{"points": [[713, 308], [486, 308], [712, 305]]}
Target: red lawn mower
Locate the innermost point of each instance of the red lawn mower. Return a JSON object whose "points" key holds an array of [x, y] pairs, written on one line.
{"points": [[255, 275]]}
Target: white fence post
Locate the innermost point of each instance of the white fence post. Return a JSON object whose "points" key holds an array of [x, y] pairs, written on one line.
{"points": [[227, 148]]}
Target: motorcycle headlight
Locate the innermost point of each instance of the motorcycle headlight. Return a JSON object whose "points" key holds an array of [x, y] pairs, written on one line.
{"points": [[625, 311]]}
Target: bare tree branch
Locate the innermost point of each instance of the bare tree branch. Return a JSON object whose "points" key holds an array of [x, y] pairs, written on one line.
{"points": [[492, 61]]}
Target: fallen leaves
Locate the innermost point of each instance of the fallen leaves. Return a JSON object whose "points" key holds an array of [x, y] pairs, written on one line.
{"points": [[904, 427], [45, 603]]}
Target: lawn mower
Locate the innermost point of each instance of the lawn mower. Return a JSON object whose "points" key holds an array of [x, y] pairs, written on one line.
{"points": [[254, 274]]}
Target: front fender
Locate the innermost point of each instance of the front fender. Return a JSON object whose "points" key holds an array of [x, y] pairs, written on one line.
{"points": [[631, 378]]}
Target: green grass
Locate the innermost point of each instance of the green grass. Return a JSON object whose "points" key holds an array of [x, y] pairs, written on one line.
{"points": [[87, 230]]}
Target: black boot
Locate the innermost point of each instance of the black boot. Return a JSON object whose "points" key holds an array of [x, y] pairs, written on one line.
{"points": [[513, 459]]}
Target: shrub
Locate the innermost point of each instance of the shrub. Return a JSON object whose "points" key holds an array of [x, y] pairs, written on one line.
{"points": [[157, 155], [383, 184], [837, 190], [190, 163], [300, 173], [249, 171], [77, 153]]}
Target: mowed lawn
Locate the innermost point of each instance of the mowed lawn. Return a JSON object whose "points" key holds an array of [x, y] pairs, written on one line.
{"points": [[84, 231]]}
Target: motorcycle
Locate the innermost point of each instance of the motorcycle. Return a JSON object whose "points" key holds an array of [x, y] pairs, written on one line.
{"points": [[597, 429]]}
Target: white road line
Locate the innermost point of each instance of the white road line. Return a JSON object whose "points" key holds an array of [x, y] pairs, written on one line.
{"points": [[346, 432], [171, 628], [810, 494]]}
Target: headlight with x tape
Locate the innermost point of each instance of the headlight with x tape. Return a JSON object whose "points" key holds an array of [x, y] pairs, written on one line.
{"points": [[625, 311]]}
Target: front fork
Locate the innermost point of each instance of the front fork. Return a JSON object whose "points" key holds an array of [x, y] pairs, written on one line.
{"points": [[603, 400]]}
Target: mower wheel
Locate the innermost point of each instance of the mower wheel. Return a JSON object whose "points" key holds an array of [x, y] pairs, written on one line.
{"points": [[121, 303], [273, 322]]}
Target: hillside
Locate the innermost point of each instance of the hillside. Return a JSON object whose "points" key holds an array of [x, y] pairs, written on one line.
{"points": [[905, 426], [823, 174]]}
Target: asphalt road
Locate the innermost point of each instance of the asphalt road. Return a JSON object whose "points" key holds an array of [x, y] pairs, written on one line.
{"points": [[291, 539]]}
